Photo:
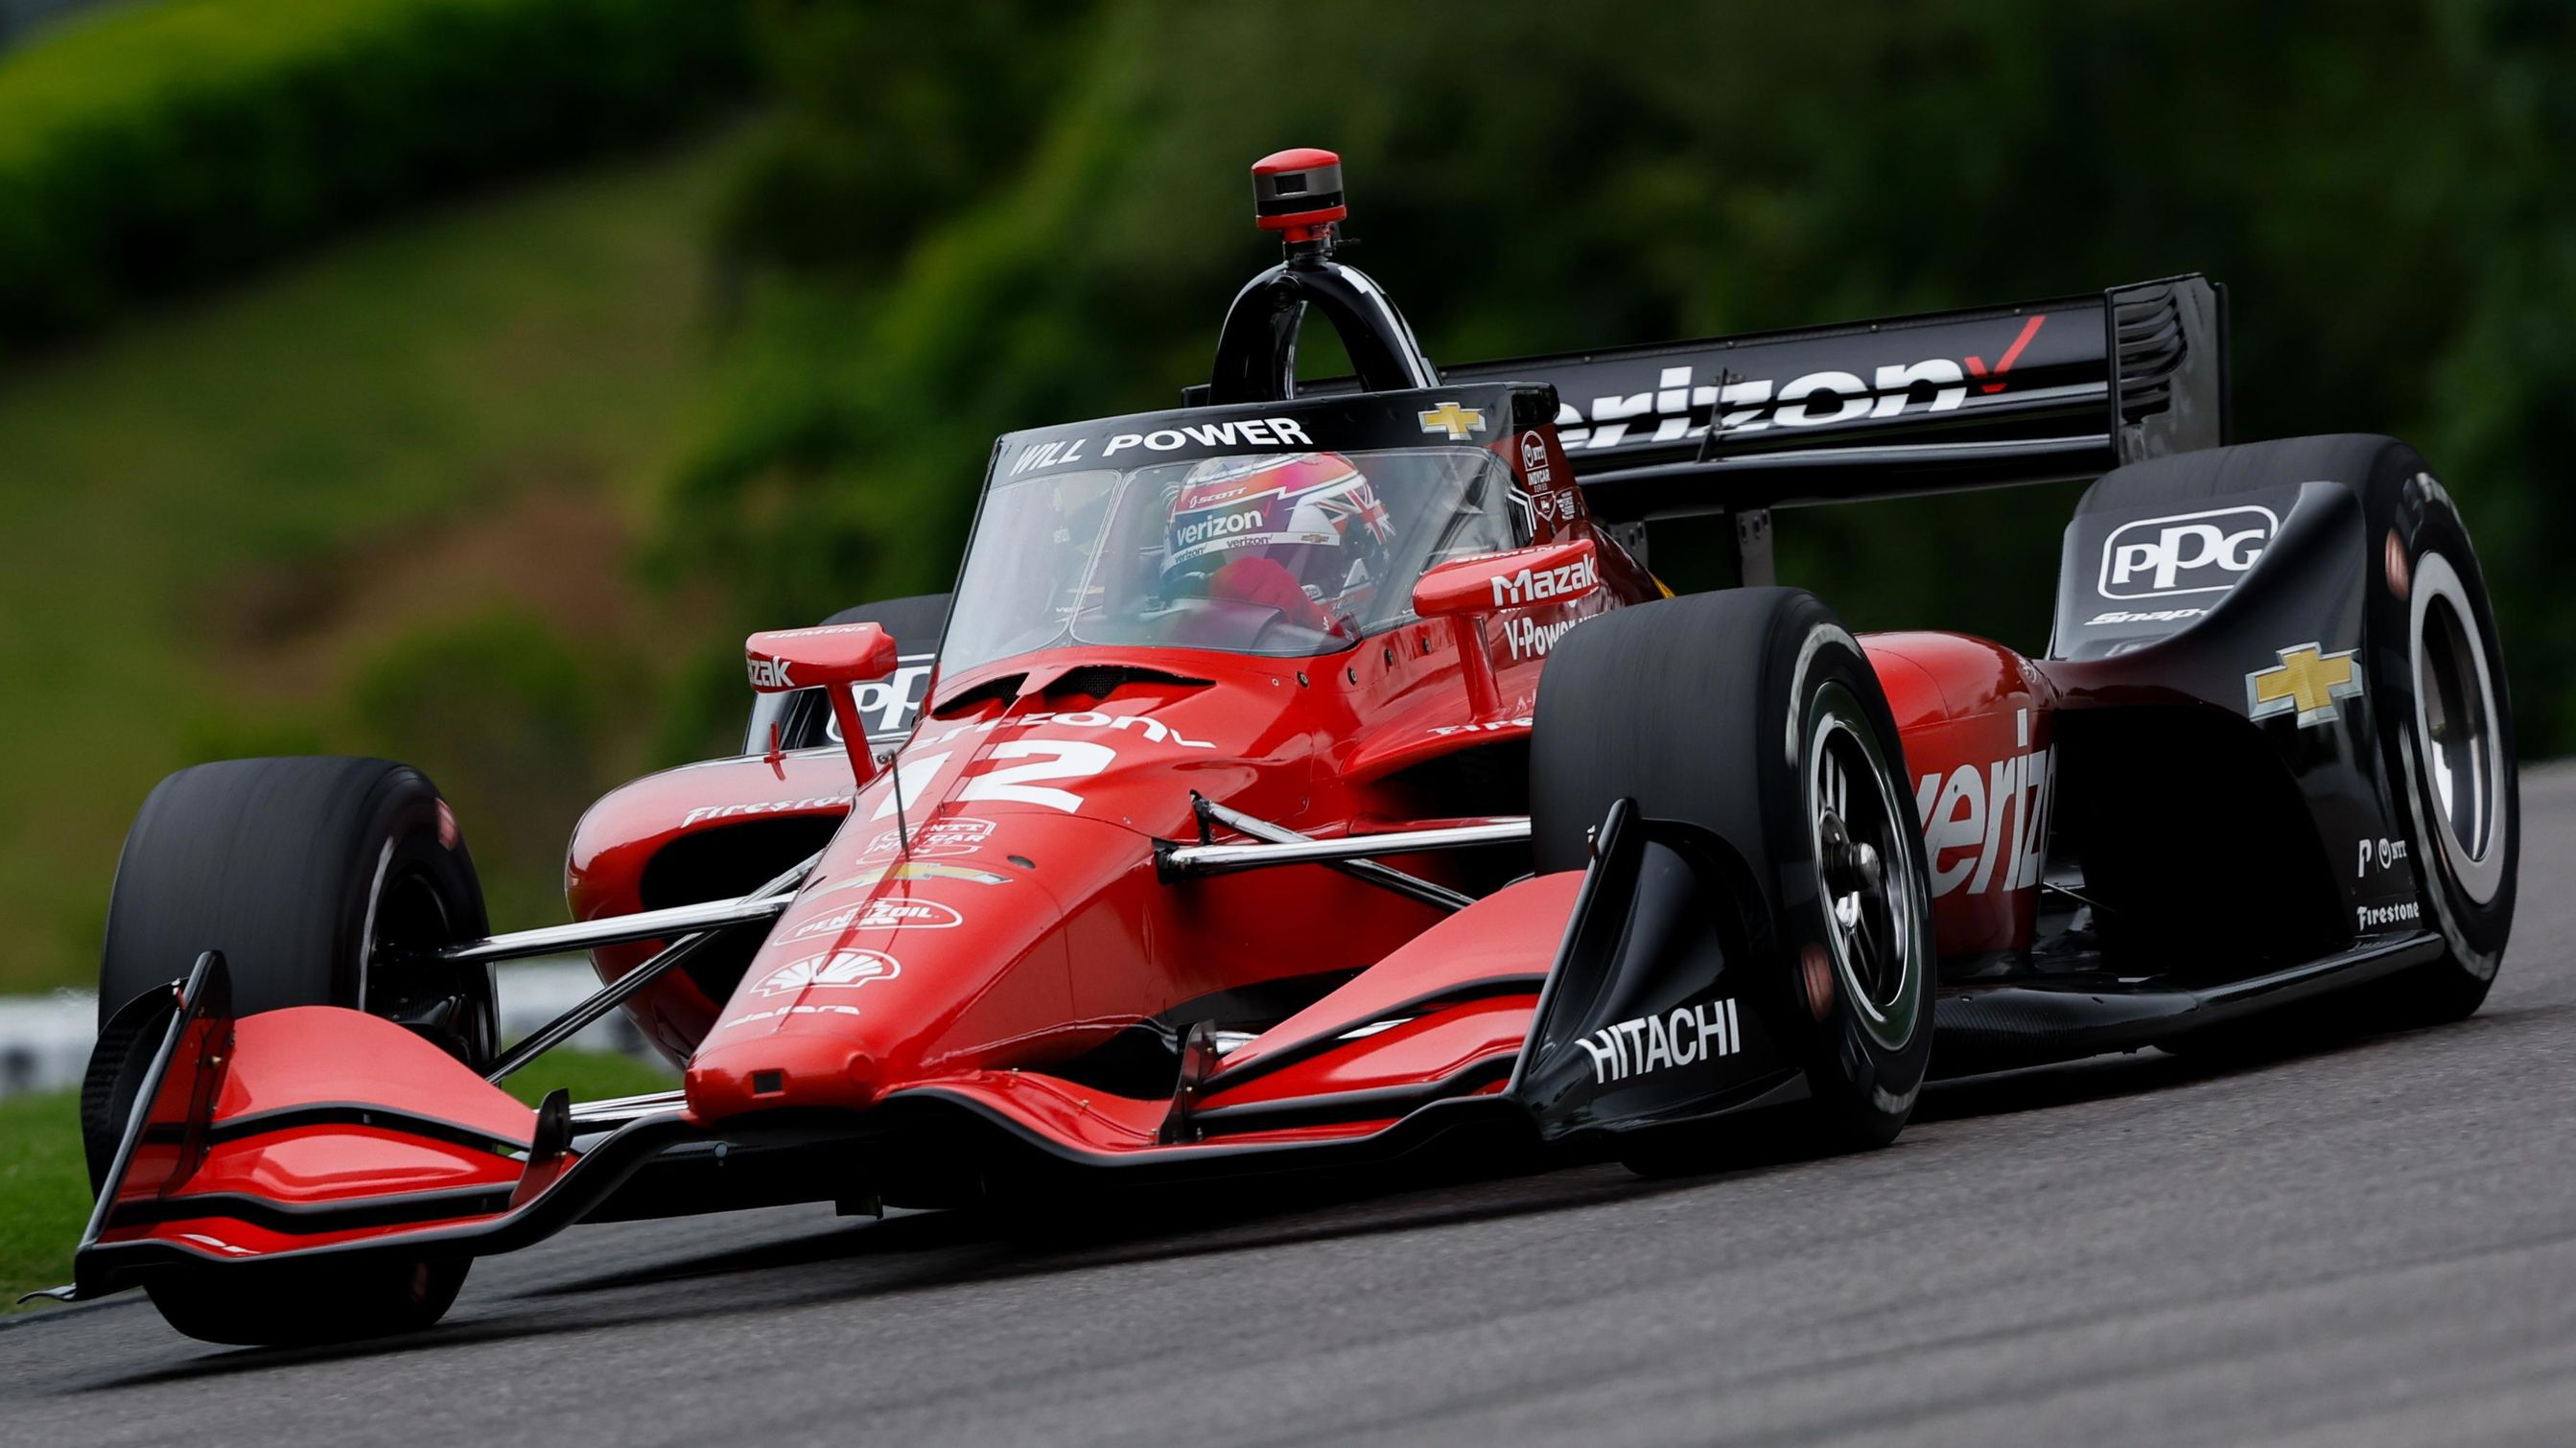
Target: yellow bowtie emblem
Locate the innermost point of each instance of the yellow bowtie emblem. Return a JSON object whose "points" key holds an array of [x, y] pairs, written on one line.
{"points": [[2306, 680], [1454, 420]]}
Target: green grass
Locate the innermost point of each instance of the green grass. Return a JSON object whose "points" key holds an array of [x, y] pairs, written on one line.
{"points": [[44, 1185], [44, 1191], [209, 517], [590, 1076]]}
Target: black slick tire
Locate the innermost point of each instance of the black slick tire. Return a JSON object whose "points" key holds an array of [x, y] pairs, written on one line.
{"points": [[2440, 712], [1753, 713], [298, 870]]}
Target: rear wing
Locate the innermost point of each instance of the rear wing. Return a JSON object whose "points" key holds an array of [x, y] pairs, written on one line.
{"points": [[2043, 392]]}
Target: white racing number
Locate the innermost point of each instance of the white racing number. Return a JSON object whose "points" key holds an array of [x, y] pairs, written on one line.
{"points": [[1050, 759]]}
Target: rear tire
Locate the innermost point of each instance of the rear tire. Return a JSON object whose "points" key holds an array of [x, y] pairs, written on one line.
{"points": [[1754, 714], [2446, 725], [2440, 714], [299, 871]]}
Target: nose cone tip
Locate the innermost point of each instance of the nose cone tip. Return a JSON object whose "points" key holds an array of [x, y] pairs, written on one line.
{"points": [[782, 1071]]}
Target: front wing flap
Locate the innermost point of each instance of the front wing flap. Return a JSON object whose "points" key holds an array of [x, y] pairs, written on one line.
{"points": [[1653, 1013], [317, 1129]]}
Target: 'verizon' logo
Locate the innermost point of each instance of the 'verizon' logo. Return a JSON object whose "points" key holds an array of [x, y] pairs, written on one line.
{"points": [[1683, 406], [1224, 522], [1986, 826], [1539, 585]]}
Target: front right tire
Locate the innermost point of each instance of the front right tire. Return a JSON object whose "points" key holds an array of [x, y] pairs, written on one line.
{"points": [[1754, 714]]}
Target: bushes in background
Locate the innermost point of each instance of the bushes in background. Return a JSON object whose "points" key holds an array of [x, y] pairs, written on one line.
{"points": [[157, 147], [511, 718], [2384, 187]]}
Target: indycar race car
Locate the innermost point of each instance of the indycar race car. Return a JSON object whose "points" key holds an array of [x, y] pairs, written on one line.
{"points": [[1219, 822]]}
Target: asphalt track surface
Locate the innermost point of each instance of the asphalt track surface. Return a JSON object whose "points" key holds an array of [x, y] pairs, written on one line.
{"points": [[2371, 1244]]}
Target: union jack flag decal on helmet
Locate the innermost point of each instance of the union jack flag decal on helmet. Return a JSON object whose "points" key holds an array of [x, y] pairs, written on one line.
{"points": [[1357, 503]]}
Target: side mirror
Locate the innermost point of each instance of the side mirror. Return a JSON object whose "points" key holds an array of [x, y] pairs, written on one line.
{"points": [[1464, 590], [835, 658], [1521, 578]]}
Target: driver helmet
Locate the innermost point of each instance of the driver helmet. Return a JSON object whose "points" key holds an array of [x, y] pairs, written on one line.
{"points": [[1311, 514]]}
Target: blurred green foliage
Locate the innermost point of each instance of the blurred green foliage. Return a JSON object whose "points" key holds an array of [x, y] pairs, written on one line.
{"points": [[217, 519], [510, 719], [959, 225], [158, 146], [44, 1191], [312, 513]]}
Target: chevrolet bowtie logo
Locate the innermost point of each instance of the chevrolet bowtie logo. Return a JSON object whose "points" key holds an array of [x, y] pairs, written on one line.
{"points": [[2305, 680], [1454, 420]]}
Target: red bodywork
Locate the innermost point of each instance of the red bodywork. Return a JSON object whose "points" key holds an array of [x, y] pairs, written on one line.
{"points": [[1029, 925], [1025, 925]]}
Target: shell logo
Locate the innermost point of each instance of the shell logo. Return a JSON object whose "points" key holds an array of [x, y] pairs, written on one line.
{"points": [[842, 968]]}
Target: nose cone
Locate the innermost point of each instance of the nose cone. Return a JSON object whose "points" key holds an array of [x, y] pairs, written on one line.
{"points": [[788, 1068], [891, 969], [936, 936], [810, 1031]]}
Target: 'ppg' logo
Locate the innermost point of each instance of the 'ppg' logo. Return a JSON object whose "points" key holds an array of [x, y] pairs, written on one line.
{"points": [[2186, 553]]}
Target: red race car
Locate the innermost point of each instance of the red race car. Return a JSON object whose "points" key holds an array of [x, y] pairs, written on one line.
{"points": [[1219, 821]]}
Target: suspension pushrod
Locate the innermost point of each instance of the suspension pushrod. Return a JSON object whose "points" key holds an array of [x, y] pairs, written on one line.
{"points": [[608, 997]]}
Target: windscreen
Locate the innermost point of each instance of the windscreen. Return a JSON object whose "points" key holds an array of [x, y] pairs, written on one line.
{"points": [[1287, 554]]}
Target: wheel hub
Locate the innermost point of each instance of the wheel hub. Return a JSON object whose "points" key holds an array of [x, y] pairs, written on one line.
{"points": [[1869, 902], [2458, 735]]}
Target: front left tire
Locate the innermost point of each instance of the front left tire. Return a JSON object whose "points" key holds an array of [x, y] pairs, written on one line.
{"points": [[301, 871]]}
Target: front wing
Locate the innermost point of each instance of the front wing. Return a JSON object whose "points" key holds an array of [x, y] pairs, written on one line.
{"points": [[319, 1131]]}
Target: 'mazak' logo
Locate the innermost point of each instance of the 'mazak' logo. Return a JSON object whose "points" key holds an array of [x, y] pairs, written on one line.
{"points": [[1681, 408], [1538, 585]]}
